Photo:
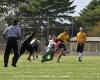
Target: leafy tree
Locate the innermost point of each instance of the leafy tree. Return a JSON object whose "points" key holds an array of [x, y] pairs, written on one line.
{"points": [[95, 31], [89, 16], [41, 8], [50, 10], [48, 7]]}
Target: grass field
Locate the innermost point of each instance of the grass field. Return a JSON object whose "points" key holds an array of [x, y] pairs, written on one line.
{"points": [[68, 69]]}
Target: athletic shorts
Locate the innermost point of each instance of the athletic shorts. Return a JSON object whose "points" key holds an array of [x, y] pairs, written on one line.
{"points": [[35, 47], [80, 47], [62, 46]]}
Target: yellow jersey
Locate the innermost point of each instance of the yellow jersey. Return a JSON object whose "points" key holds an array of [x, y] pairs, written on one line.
{"points": [[63, 37], [81, 37]]}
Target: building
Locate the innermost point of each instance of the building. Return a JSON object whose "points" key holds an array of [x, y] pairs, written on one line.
{"points": [[92, 44]]}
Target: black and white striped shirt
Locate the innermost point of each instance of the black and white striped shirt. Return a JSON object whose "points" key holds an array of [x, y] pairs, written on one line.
{"points": [[12, 31]]}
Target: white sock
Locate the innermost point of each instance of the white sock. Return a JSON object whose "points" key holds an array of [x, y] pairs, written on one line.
{"points": [[80, 56]]}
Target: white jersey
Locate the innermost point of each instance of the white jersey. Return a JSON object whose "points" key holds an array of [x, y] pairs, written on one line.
{"points": [[35, 40], [51, 44]]}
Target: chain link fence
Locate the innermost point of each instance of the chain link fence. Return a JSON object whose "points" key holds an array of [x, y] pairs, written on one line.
{"points": [[43, 27]]}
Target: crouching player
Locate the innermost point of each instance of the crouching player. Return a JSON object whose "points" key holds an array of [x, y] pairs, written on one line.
{"points": [[50, 49], [35, 43]]}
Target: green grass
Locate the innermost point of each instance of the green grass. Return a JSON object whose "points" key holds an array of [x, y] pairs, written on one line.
{"points": [[68, 69]]}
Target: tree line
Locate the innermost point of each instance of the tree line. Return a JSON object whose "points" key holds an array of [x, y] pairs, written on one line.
{"points": [[89, 17]]}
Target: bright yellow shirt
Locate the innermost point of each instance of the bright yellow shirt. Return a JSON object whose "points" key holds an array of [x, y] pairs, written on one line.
{"points": [[81, 37], [63, 37]]}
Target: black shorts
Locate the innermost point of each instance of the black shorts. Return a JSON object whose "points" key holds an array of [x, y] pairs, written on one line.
{"points": [[80, 47], [62, 45], [29, 47], [35, 47]]}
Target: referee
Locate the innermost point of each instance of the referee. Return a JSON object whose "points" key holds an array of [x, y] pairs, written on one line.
{"points": [[11, 34]]}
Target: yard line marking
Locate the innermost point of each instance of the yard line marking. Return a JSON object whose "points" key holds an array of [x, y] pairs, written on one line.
{"points": [[27, 72], [70, 72], [88, 68], [95, 73], [64, 76], [41, 76], [31, 72], [48, 76]]}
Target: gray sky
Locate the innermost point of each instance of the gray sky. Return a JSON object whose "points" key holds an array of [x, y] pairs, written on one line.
{"points": [[80, 5]]}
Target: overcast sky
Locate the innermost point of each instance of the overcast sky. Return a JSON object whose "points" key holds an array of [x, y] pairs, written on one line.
{"points": [[80, 5]]}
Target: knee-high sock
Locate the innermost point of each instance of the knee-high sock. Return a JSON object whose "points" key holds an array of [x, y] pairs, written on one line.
{"points": [[80, 56]]}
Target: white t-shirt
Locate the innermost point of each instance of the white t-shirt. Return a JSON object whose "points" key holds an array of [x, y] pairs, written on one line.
{"points": [[51, 44], [35, 40]]}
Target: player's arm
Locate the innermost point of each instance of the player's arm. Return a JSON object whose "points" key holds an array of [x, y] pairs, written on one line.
{"points": [[68, 38], [5, 33], [85, 37], [60, 36], [76, 38], [19, 32]]}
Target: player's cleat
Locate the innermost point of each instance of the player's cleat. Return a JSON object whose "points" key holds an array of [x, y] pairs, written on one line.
{"points": [[29, 59], [33, 58], [14, 65], [42, 61], [58, 61], [36, 56], [5, 65], [79, 60]]}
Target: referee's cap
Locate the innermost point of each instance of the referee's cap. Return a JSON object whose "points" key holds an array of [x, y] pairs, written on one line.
{"points": [[15, 21]]}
